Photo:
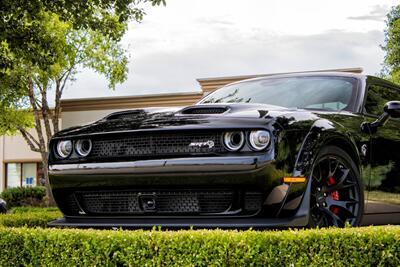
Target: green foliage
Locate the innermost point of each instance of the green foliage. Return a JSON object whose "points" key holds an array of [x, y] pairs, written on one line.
{"points": [[373, 246], [391, 67], [33, 209], [29, 216], [19, 27], [24, 196], [59, 52], [378, 173], [37, 217], [43, 44], [368, 246], [11, 120]]}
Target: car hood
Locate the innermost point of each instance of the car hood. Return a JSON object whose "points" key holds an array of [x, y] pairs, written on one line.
{"points": [[198, 116]]}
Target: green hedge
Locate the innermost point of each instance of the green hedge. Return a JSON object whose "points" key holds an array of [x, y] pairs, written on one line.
{"points": [[33, 209], [372, 246], [32, 217], [24, 196]]}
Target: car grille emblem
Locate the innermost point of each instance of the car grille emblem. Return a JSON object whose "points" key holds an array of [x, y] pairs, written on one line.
{"points": [[209, 144]]}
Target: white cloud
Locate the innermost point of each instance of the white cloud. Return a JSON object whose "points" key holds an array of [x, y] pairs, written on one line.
{"points": [[378, 13], [189, 39]]}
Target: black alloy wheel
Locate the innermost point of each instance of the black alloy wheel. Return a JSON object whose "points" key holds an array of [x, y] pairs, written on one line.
{"points": [[337, 196]]}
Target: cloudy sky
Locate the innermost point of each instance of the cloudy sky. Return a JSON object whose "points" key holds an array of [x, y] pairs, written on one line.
{"points": [[191, 39]]}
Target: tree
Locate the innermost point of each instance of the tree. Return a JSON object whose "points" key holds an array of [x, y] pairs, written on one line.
{"points": [[105, 16], [391, 66], [42, 45]]}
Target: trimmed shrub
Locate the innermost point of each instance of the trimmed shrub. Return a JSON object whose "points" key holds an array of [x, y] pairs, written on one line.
{"points": [[371, 246], [33, 209], [37, 217], [24, 196]]}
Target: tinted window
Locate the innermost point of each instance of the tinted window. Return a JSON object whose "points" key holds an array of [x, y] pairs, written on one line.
{"points": [[377, 97], [310, 92]]}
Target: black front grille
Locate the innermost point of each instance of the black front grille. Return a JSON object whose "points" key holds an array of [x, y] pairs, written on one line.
{"points": [[165, 202], [252, 200], [154, 145], [69, 204]]}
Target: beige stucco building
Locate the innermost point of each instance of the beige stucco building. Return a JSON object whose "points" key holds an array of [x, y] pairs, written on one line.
{"points": [[19, 166]]}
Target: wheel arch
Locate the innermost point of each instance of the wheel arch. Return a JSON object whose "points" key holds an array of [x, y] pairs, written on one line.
{"points": [[323, 134], [347, 145]]}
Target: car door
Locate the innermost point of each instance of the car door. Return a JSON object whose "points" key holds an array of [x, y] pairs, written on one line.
{"points": [[383, 194]]}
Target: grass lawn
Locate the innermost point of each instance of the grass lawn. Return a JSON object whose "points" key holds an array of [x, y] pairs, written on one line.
{"points": [[386, 197]]}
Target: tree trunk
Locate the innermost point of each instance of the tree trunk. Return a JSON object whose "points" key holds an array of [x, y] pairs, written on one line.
{"points": [[46, 119], [45, 162], [42, 143]]}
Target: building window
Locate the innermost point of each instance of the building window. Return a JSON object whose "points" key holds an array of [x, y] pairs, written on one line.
{"points": [[13, 175], [23, 174]]}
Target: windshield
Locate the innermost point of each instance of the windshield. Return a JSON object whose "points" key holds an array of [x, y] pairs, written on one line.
{"points": [[309, 92]]}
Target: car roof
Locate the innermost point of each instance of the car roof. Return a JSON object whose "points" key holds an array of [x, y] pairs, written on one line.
{"points": [[363, 78], [368, 78], [309, 74]]}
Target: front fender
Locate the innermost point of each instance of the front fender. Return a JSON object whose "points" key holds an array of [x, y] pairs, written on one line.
{"points": [[323, 132]]}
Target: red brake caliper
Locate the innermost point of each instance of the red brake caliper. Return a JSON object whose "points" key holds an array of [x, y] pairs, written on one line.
{"points": [[334, 194]]}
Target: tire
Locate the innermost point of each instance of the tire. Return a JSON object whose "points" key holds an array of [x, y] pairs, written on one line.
{"points": [[337, 194], [2, 209]]}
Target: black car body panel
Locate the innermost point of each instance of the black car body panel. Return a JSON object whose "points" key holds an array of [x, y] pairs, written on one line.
{"points": [[3, 206], [144, 171]]}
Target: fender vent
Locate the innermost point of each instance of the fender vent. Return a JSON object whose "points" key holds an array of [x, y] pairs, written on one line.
{"points": [[204, 110]]}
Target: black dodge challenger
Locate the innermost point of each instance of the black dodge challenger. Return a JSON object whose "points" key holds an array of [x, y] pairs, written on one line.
{"points": [[308, 149]]}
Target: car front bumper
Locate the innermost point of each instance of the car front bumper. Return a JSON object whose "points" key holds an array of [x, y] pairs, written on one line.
{"points": [[253, 172]]}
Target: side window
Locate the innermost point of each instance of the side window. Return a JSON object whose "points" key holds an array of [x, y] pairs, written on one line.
{"points": [[377, 97]]}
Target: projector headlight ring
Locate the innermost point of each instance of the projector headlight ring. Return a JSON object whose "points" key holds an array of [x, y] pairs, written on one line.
{"points": [[83, 147], [234, 141], [259, 139], [64, 148]]}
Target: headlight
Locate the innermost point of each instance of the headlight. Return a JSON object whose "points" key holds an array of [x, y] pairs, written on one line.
{"points": [[83, 147], [260, 139], [234, 140], [64, 148]]}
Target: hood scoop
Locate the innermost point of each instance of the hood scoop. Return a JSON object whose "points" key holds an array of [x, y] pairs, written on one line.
{"points": [[204, 110], [126, 115]]}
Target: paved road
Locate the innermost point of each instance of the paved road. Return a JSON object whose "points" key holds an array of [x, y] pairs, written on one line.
{"points": [[386, 213]]}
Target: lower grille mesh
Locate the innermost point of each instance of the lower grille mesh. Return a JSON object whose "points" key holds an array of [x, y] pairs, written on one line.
{"points": [[165, 202]]}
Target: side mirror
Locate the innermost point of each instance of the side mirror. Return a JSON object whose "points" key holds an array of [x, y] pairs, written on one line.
{"points": [[391, 109]]}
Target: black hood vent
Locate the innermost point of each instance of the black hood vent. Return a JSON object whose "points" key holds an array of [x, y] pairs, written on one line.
{"points": [[204, 110], [135, 114]]}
